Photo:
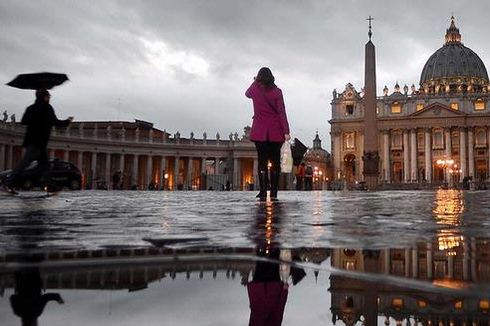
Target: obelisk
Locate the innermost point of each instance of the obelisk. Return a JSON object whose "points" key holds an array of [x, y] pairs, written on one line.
{"points": [[370, 156]]}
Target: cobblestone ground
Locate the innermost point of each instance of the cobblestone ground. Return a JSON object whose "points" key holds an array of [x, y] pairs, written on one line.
{"points": [[98, 219]]}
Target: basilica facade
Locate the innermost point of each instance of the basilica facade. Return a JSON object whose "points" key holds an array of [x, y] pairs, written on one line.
{"points": [[435, 133]]}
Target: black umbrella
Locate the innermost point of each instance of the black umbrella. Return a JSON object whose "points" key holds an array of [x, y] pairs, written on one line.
{"points": [[298, 150], [39, 80]]}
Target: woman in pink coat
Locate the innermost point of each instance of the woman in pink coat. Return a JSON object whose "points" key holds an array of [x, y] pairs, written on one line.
{"points": [[270, 129]]}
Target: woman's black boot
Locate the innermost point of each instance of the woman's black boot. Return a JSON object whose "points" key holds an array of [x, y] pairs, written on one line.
{"points": [[263, 181], [274, 184]]}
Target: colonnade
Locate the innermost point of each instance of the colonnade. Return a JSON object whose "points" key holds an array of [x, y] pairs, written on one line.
{"points": [[176, 163]]}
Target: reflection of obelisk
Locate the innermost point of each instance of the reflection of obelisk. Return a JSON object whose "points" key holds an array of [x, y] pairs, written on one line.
{"points": [[370, 155]]}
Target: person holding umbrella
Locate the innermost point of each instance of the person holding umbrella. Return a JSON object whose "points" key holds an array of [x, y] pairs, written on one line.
{"points": [[39, 118]]}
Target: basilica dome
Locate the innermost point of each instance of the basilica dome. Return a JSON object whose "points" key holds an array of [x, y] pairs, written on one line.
{"points": [[454, 67]]}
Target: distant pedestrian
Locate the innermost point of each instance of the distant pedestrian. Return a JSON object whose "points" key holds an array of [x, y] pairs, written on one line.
{"points": [[270, 128], [308, 179], [300, 175], [39, 118]]}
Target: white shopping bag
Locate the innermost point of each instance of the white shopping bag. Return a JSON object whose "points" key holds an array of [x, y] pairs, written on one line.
{"points": [[286, 158]]}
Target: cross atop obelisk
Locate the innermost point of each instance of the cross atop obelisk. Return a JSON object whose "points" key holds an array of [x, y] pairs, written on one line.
{"points": [[370, 33]]}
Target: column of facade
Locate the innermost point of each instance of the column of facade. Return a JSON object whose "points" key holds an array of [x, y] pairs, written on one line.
{"points": [[488, 152], [447, 151], [471, 156], [406, 159], [108, 170], [387, 259], [134, 173], [360, 172], [428, 155], [176, 172], [336, 155], [2, 157], [66, 155], [413, 155], [462, 154], [407, 262], [149, 171], [190, 170], [386, 156], [93, 167]]}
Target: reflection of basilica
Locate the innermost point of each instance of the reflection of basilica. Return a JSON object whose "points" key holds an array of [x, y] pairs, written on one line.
{"points": [[445, 118], [451, 261]]}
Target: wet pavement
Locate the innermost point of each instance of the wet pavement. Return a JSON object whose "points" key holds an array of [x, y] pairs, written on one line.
{"points": [[222, 258]]}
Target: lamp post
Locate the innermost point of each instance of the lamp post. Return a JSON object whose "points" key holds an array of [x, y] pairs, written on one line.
{"points": [[444, 164], [165, 181]]}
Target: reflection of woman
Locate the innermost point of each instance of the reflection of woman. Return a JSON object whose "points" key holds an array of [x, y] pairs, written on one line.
{"points": [[270, 128], [267, 293]]}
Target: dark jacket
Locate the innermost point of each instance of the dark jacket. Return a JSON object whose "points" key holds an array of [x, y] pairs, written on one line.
{"points": [[39, 119]]}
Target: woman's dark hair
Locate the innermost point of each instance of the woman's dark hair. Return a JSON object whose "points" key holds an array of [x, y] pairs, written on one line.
{"points": [[265, 77]]}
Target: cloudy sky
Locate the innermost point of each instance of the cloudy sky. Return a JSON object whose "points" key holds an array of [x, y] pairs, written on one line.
{"points": [[185, 65]]}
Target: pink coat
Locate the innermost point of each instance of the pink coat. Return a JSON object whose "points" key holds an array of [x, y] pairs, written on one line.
{"points": [[270, 122]]}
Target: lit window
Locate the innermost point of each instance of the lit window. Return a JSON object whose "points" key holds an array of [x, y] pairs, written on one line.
{"points": [[420, 107], [454, 106], [396, 107], [397, 303], [458, 304], [350, 265], [479, 105]]}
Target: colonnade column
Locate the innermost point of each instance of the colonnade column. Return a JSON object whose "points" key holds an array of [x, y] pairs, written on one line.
{"points": [[415, 262], [66, 155], [413, 155], [447, 152], [93, 166], [163, 171], [108, 170], [2, 157], [471, 157], [10, 157], [203, 173], [176, 172], [236, 174], [149, 171], [80, 161], [462, 154], [121, 163], [406, 162], [255, 172], [427, 156], [190, 170], [216, 165], [386, 156], [134, 173], [429, 260]]}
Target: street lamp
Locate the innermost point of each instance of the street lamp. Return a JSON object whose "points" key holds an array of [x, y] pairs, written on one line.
{"points": [[165, 177], [444, 164]]}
